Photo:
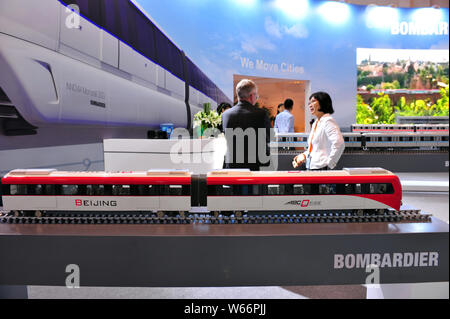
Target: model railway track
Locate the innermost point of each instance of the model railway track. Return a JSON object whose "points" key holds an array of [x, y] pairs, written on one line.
{"points": [[210, 218], [396, 151]]}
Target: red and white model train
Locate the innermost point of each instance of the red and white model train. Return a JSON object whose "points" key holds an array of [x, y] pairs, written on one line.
{"points": [[33, 192]]}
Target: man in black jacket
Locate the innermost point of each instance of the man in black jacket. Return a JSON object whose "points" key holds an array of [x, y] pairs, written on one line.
{"points": [[247, 130]]}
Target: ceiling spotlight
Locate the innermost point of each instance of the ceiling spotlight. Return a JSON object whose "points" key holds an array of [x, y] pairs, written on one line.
{"points": [[334, 12], [294, 8], [381, 17]]}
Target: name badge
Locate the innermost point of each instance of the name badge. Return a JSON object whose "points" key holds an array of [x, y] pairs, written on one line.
{"points": [[308, 162]]}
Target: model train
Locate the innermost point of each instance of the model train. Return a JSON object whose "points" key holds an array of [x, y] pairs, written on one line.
{"points": [[376, 140], [400, 128], [356, 190]]}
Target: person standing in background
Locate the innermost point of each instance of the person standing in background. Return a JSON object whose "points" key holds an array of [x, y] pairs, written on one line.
{"points": [[250, 119], [325, 142], [280, 108], [284, 122], [220, 109]]}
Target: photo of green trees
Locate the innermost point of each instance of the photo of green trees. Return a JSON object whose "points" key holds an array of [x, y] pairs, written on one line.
{"points": [[392, 83]]}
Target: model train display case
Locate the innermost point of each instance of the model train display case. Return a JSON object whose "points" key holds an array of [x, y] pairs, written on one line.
{"points": [[196, 255]]}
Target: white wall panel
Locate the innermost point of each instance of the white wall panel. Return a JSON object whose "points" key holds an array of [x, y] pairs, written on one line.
{"points": [[193, 96], [34, 21], [86, 38], [161, 77], [109, 49], [136, 64], [174, 84]]}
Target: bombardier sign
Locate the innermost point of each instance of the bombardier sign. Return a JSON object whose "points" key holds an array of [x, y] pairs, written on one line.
{"points": [[416, 28]]}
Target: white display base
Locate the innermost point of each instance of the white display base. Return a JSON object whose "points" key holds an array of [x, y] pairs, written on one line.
{"points": [[196, 155], [429, 290], [424, 182]]}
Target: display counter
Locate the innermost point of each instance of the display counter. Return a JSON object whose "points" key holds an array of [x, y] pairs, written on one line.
{"points": [[196, 255], [199, 156]]}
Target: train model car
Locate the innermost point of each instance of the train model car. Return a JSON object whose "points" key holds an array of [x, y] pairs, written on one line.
{"points": [[43, 196], [375, 140]]}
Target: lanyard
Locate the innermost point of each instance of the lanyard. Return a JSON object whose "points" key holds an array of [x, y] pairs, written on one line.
{"points": [[312, 136]]}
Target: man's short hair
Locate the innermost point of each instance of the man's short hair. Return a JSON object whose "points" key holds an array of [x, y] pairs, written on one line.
{"points": [[288, 104], [244, 88]]}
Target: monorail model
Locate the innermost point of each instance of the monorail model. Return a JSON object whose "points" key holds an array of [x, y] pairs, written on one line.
{"points": [[108, 66]]}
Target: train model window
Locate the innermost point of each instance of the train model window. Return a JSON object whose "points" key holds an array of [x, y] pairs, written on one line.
{"points": [[221, 190], [246, 190], [358, 189], [381, 189], [121, 190], [275, 189], [298, 189], [35, 190], [327, 189], [176, 190], [69, 190], [18, 190], [349, 188], [302, 189], [95, 190], [145, 190], [49, 189], [139, 190], [343, 189]]}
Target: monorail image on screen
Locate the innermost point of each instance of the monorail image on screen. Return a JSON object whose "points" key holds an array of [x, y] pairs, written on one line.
{"points": [[110, 67]]}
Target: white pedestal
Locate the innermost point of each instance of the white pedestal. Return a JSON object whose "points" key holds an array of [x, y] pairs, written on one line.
{"points": [[196, 155]]}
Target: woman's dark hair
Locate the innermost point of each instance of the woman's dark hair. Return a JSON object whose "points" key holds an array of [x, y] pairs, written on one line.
{"points": [[223, 106], [326, 105], [278, 107]]}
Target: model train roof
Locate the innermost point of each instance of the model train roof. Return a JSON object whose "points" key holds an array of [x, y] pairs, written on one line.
{"points": [[56, 173], [362, 171]]}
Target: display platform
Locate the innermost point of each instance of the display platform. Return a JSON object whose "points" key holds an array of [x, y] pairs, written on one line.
{"points": [[393, 161], [223, 255], [196, 155]]}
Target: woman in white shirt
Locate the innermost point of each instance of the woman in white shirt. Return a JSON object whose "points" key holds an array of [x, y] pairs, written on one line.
{"points": [[325, 142]]}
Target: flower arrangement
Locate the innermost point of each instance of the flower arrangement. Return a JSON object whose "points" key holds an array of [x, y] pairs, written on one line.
{"points": [[207, 118]]}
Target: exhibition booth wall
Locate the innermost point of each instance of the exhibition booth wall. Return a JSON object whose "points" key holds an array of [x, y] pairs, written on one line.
{"points": [[317, 44]]}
